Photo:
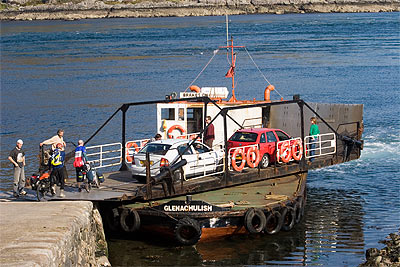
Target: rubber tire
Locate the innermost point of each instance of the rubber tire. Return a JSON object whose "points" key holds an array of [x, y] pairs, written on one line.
{"points": [[299, 209], [187, 231], [254, 221], [288, 218], [111, 219], [276, 218], [264, 160], [132, 224]]}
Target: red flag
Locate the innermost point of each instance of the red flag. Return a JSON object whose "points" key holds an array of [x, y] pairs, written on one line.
{"points": [[230, 72]]}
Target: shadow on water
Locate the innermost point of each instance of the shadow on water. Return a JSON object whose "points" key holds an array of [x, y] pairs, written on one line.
{"points": [[331, 228]]}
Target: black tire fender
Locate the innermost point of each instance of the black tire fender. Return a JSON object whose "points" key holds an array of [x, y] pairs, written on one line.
{"points": [[299, 209], [254, 220], [129, 220], [187, 231], [273, 223], [112, 219], [288, 218]]}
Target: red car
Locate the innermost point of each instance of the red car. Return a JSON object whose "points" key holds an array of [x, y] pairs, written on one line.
{"points": [[265, 138]]}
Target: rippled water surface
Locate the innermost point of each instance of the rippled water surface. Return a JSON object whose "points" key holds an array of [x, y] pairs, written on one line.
{"points": [[74, 74]]}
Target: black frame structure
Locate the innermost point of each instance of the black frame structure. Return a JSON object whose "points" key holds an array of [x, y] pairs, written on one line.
{"points": [[349, 141]]}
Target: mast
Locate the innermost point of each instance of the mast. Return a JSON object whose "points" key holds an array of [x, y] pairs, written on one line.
{"points": [[231, 71]]}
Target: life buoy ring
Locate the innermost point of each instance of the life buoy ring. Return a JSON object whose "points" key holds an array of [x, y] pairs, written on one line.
{"points": [[251, 161], [297, 150], [175, 127], [187, 231], [273, 223], [128, 146], [129, 220], [234, 155], [285, 152], [288, 218], [254, 220]]}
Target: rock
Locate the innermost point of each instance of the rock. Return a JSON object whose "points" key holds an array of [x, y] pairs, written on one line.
{"points": [[82, 9], [371, 253]]}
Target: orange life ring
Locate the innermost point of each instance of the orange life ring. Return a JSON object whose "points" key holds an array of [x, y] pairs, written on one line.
{"points": [[234, 155], [297, 150], [128, 146], [285, 152], [250, 159], [175, 127]]}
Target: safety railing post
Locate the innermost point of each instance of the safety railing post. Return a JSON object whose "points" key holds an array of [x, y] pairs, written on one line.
{"points": [[124, 108]]}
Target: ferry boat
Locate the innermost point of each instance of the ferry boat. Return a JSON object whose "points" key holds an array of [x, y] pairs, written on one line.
{"points": [[235, 198], [239, 195]]}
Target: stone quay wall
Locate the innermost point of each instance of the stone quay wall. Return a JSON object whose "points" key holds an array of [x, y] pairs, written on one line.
{"points": [[90, 9], [62, 233]]}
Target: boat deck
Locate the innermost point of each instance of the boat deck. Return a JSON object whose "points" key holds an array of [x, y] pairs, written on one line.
{"points": [[120, 186]]}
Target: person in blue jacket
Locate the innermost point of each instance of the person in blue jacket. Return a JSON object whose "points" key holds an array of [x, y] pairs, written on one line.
{"points": [[57, 170], [79, 163]]}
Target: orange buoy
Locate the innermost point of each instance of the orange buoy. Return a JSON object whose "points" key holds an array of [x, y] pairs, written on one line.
{"points": [[175, 127], [128, 146], [253, 157], [285, 152], [234, 155], [194, 88], [297, 150]]}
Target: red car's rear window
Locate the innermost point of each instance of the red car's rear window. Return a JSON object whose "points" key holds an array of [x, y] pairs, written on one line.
{"points": [[244, 137]]}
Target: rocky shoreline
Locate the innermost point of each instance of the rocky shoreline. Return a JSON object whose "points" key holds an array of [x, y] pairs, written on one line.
{"points": [[388, 256], [91, 9]]}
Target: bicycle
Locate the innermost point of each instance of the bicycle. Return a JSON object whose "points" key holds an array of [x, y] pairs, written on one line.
{"points": [[90, 177]]}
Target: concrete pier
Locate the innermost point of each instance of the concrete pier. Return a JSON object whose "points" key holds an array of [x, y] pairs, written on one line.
{"points": [[57, 233]]}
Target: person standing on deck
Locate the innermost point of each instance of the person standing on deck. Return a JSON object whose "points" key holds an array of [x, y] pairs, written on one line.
{"points": [[209, 135], [79, 163], [58, 138], [57, 170], [314, 132], [17, 158]]}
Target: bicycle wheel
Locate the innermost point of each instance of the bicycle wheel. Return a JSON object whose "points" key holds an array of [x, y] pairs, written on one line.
{"points": [[88, 186], [40, 191]]}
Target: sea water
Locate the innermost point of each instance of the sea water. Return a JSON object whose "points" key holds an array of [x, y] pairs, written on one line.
{"points": [[74, 74]]}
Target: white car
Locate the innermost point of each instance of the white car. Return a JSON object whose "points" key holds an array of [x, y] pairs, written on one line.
{"points": [[200, 158]]}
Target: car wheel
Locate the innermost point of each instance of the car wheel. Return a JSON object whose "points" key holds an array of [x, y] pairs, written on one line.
{"points": [[264, 161]]}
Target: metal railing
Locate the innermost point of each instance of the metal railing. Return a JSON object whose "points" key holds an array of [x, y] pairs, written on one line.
{"points": [[290, 148], [321, 145], [106, 155], [231, 152]]}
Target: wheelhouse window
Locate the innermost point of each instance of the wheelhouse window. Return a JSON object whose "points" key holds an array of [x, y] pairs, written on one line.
{"points": [[244, 137], [181, 114], [168, 114], [282, 136]]}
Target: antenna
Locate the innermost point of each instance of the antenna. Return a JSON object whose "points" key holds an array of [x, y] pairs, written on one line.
{"points": [[227, 31]]}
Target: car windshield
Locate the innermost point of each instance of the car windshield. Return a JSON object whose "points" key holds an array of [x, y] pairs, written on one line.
{"points": [[244, 137], [160, 149]]}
